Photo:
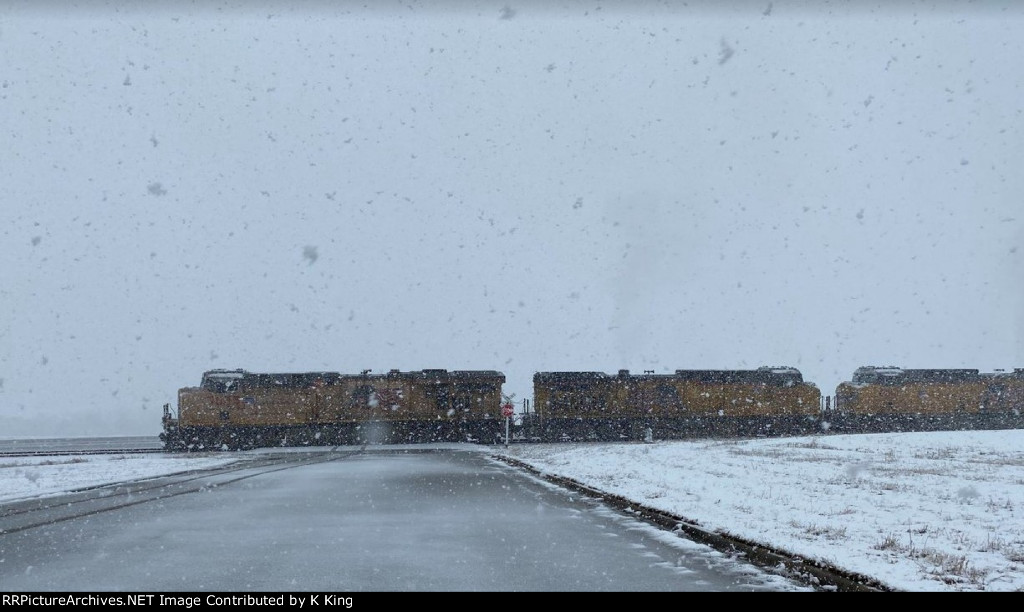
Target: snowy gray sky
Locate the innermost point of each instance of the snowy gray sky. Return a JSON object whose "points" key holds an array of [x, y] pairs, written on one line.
{"points": [[512, 186]]}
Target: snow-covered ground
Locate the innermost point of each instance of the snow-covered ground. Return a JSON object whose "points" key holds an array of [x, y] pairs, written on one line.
{"points": [[940, 511], [920, 512], [23, 477]]}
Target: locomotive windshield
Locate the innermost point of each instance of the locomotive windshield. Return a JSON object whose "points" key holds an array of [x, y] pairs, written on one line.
{"points": [[222, 381]]}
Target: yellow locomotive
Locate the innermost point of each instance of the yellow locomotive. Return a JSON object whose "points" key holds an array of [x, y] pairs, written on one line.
{"points": [[233, 409], [689, 403], [880, 399]]}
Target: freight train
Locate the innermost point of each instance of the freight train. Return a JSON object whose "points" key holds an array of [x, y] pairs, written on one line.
{"points": [[238, 409]]}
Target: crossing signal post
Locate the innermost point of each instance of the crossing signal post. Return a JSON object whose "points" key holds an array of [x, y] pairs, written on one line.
{"points": [[507, 410]]}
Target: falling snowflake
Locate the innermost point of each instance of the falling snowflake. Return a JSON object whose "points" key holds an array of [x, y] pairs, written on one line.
{"points": [[725, 53]]}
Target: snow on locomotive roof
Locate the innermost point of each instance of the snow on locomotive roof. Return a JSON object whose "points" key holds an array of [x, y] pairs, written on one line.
{"points": [[765, 374], [563, 376], [780, 369], [891, 375], [225, 374], [880, 370]]}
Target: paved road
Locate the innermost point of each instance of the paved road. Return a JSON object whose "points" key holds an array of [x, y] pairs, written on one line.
{"points": [[350, 522]]}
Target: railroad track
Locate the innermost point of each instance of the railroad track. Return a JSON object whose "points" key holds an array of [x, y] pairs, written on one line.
{"points": [[99, 451]]}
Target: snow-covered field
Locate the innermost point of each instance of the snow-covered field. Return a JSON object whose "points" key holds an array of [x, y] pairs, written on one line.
{"points": [[22, 477], [919, 512], [939, 511]]}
